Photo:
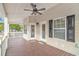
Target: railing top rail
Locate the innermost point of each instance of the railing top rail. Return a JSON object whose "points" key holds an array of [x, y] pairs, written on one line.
{"points": [[4, 37]]}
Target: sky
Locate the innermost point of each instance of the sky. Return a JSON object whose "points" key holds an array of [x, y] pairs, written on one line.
{"points": [[1, 20]]}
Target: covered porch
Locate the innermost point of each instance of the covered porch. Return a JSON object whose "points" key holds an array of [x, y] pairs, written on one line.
{"points": [[54, 33]]}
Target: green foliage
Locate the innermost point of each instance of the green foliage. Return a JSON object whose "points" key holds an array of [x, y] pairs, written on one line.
{"points": [[16, 27], [1, 27]]}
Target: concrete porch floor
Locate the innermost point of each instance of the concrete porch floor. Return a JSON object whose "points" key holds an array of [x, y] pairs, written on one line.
{"points": [[21, 47]]}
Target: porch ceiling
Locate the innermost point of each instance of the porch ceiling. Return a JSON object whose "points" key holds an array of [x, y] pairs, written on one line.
{"points": [[15, 11]]}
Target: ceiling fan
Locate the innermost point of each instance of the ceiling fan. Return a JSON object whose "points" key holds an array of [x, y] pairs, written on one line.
{"points": [[35, 10]]}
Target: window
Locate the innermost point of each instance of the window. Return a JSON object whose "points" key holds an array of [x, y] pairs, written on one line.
{"points": [[50, 28], [71, 28], [59, 28], [1, 26]]}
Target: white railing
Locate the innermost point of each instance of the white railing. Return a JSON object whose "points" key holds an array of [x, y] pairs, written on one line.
{"points": [[4, 44], [15, 34], [4, 41]]}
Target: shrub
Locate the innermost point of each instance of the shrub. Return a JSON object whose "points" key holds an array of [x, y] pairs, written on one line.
{"points": [[16, 27], [1, 27]]}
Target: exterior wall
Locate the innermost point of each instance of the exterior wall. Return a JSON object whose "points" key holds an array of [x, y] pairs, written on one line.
{"points": [[77, 28], [58, 11]]}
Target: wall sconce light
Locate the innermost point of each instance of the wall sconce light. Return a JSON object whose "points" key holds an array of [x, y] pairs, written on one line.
{"points": [[37, 23]]}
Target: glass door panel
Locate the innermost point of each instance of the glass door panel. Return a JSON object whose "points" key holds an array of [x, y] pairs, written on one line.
{"points": [[71, 28], [43, 31], [32, 31]]}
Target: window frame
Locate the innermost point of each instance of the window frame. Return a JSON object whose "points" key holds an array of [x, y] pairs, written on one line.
{"points": [[64, 28]]}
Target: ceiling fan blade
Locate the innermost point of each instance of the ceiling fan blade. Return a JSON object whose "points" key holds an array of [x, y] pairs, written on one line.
{"points": [[41, 9], [27, 10], [33, 13], [39, 13]]}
